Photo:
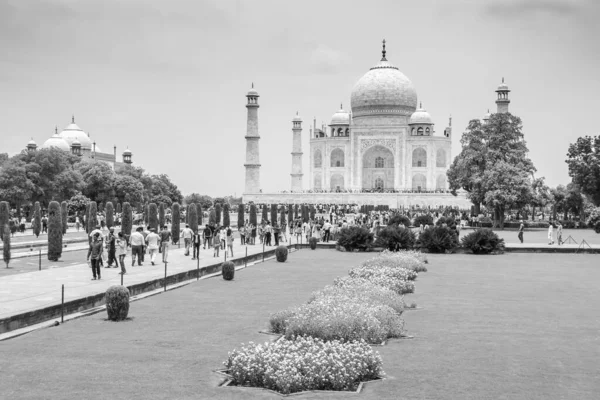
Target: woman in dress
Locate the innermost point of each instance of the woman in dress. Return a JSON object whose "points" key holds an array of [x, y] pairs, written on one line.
{"points": [[550, 234]]}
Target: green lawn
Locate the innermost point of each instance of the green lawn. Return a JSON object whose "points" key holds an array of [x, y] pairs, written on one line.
{"points": [[515, 326]]}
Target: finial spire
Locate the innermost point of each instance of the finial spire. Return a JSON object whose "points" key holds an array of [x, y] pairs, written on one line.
{"points": [[420, 104], [55, 129], [252, 85], [488, 110], [502, 79], [383, 52], [450, 123], [341, 106], [73, 118], [296, 113]]}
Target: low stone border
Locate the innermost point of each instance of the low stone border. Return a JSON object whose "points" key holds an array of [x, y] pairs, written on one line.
{"points": [[228, 382]]}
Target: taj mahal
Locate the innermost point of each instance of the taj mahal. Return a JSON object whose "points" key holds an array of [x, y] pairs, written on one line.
{"points": [[385, 151]]}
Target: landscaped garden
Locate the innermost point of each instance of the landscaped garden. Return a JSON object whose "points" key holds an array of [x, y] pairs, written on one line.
{"points": [[519, 326]]}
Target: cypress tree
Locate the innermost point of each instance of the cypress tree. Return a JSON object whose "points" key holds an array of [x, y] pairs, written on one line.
{"points": [[64, 217], [193, 217], [118, 208], [110, 215], [4, 217], [240, 216], [127, 220], [226, 220], [6, 243], [36, 222], [153, 216], [146, 214], [86, 217], [218, 213], [161, 215], [304, 213], [55, 230], [92, 217], [212, 218], [290, 214], [253, 214], [265, 212], [175, 226], [200, 213], [273, 214], [282, 216], [312, 212], [295, 211]]}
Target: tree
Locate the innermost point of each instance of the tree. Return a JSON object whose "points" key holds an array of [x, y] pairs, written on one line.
{"points": [[313, 212], [304, 213], [240, 221], [77, 204], [226, 217], [295, 211], [153, 216], [110, 215], [86, 217], [273, 215], [6, 244], [128, 189], [212, 218], [583, 159], [202, 200], [253, 215], [282, 215], [55, 231], [574, 202], [64, 217], [559, 195], [218, 213], [265, 212], [127, 220], [164, 191], [541, 196], [36, 221], [92, 218], [161, 215], [193, 217], [175, 226], [290, 216], [200, 213], [488, 150], [15, 185], [118, 208]]}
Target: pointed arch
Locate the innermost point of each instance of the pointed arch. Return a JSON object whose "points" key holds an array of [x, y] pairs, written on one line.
{"points": [[419, 182], [419, 157], [337, 158]]}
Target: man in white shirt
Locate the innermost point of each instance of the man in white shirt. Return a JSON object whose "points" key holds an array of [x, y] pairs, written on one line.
{"points": [[137, 246], [153, 241], [327, 228], [187, 234]]}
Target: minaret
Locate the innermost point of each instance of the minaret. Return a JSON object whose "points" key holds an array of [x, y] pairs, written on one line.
{"points": [[252, 150], [503, 100], [297, 154]]}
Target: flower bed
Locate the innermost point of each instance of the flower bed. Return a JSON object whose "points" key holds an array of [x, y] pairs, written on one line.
{"points": [[304, 363]]}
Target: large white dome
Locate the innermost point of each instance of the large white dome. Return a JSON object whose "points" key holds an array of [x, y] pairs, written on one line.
{"points": [[383, 90], [340, 118], [58, 142], [72, 132]]}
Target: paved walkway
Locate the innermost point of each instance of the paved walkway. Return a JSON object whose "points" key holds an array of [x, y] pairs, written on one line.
{"points": [[35, 290]]}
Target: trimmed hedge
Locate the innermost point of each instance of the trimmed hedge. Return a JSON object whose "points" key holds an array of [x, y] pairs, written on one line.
{"points": [[153, 216], [265, 212], [241, 220], [226, 217], [218, 214], [313, 243], [6, 244], [423, 220], [176, 225], [92, 217], [161, 215], [63, 217], [110, 215], [192, 217], [281, 253], [399, 219], [273, 214], [55, 230], [253, 214], [228, 270], [4, 217], [126, 220], [36, 222], [117, 302]]}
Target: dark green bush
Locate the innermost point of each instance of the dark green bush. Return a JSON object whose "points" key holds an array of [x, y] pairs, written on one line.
{"points": [[118, 208], [312, 243], [273, 214], [313, 212], [281, 253], [399, 219], [394, 238], [228, 270], [126, 220], [4, 217], [449, 221], [176, 224], [597, 227], [253, 214], [55, 231], [153, 216], [192, 216], [63, 217], [226, 217], [438, 239], [355, 237], [117, 302], [241, 218], [161, 215], [483, 241], [423, 220], [290, 215], [36, 222], [110, 215]]}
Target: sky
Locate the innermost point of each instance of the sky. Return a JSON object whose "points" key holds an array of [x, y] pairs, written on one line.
{"points": [[168, 79]]}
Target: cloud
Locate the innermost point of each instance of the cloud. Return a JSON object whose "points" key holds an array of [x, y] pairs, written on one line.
{"points": [[515, 8], [326, 60]]}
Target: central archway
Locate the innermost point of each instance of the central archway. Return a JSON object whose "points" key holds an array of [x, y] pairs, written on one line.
{"points": [[378, 168]]}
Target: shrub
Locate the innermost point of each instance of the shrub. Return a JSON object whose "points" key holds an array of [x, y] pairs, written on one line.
{"points": [[200, 213], [304, 212], [594, 219], [218, 213], [4, 217], [241, 220], [228, 270], [423, 220], [281, 253], [55, 231], [110, 215], [355, 237], [6, 244], [175, 225], [412, 260], [438, 239], [278, 320], [304, 363], [192, 216], [312, 242], [63, 217], [399, 219], [226, 216], [161, 215], [153, 216], [363, 290], [36, 222], [483, 241], [394, 238], [92, 216], [117, 302], [282, 216], [449, 221], [126, 220]]}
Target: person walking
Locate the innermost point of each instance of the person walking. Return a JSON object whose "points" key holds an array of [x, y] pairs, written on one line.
{"points": [[242, 231], [276, 233], [196, 242], [327, 229], [216, 243], [121, 252], [153, 243], [559, 231], [252, 234], [550, 233], [95, 253], [207, 234], [223, 237], [137, 246], [521, 230], [229, 241], [44, 224], [268, 232], [187, 234], [165, 239], [111, 243]]}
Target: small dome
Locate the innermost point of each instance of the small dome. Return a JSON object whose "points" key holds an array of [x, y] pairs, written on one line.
{"points": [[252, 92], [487, 115], [32, 143], [297, 118], [56, 141], [503, 87], [127, 152], [420, 117], [340, 118], [76, 143]]}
